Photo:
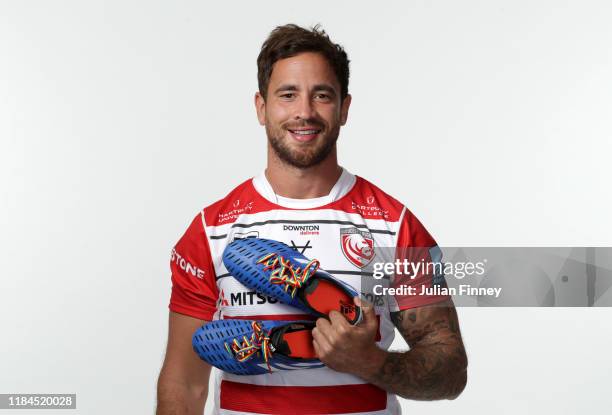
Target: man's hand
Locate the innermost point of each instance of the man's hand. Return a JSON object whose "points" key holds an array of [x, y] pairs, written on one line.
{"points": [[434, 368], [344, 347]]}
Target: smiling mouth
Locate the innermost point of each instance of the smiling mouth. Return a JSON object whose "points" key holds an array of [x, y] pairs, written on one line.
{"points": [[304, 135]]}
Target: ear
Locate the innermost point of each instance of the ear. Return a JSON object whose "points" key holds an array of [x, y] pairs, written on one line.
{"points": [[344, 108], [260, 107]]}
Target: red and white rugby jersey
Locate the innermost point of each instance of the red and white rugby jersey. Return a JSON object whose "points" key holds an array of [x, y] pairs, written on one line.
{"points": [[343, 231]]}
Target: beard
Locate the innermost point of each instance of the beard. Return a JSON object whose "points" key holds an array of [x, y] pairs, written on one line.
{"points": [[305, 155]]}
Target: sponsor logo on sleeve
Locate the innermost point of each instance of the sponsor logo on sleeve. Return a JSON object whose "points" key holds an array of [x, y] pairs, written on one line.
{"points": [[185, 265]]}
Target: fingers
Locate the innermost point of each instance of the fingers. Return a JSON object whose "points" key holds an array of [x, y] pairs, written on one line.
{"points": [[338, 319], [361, 302], [324, 327], [322, 334], [329, 334], [367, 309], [320, 337], [316, 347]]}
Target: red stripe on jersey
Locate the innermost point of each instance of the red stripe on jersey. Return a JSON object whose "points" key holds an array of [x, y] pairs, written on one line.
{"points": [[301, 400], [280, 317]]}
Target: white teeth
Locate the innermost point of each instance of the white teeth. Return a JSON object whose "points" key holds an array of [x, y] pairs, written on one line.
{"points": [[305, 132]]}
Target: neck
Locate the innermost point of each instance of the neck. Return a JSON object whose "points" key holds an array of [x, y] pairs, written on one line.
{"points": [[295, 183]]}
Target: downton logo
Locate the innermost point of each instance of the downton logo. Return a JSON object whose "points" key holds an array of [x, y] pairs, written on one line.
{"points": [[302, 229]]}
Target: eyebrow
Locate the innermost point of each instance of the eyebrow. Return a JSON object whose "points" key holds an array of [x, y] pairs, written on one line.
{"points": [[318, 87]]}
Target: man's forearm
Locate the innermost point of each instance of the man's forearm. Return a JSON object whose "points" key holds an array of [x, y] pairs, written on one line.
{"points": [[427, 372], [177, 399], [436, 365]]}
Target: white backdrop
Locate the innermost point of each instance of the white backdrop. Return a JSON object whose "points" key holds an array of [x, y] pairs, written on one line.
{"points": [[119, 120]]}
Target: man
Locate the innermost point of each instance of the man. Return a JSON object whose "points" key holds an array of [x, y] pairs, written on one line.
{"points": [[305, 199]]}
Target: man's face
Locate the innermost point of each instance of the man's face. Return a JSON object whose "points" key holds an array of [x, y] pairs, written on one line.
{"points": [[302, 111]]}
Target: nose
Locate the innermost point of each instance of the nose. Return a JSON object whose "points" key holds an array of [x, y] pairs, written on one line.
{"points": [[304, 108]]}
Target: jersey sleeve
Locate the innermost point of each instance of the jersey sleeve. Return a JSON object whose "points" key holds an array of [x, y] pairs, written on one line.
{"points": [[194, 288], [416, 246]]}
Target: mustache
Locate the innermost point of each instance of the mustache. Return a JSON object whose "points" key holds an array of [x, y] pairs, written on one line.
{"points": [[305, 123]]}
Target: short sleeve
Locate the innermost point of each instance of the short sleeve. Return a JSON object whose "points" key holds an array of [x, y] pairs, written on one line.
{"points": [[415, 246], [194, 288]]}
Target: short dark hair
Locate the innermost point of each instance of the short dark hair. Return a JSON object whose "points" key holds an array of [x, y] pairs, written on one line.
{"points": [[290, 40]]}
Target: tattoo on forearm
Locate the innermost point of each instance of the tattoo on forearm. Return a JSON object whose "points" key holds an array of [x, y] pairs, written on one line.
{"points": [[436, 365]]}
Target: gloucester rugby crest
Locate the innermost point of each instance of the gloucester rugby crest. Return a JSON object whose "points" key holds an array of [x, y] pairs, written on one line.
{"points": [[357, 246]]}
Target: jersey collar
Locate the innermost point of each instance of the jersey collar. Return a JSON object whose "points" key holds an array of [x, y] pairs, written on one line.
{"points": [[341, 188]]}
